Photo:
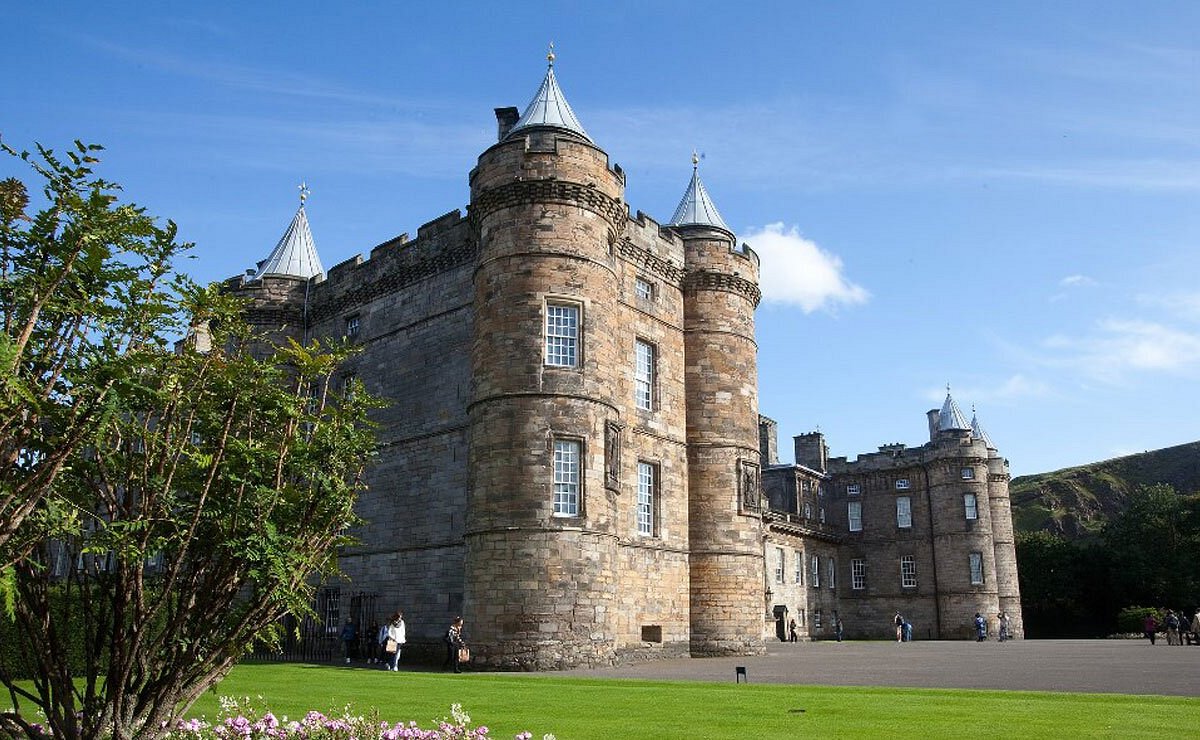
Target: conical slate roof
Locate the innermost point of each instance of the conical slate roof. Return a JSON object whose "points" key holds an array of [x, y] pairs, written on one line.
{"points": [[549, 108], [978, 432], [296, 254], [952, 416], [697, 208]]}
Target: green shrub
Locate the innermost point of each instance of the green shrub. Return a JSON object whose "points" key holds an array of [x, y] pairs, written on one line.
{"points": [[1132, 618]]}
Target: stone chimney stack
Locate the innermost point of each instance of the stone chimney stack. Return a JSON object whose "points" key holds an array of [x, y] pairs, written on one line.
{"points": [[811, 451], [768, 440], [933, 415], [506, 118]]}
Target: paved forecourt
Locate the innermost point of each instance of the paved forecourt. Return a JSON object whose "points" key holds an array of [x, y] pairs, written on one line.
{"points": [[1092, 666]]}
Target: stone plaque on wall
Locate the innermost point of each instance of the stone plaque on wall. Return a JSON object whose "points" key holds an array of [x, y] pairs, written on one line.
{"points": [[748, 488], [612, 455]]}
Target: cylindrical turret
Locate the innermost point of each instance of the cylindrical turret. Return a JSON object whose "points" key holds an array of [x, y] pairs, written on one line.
{"points": [[1004, 543], [541, 537], [721, 375], [962, 533]]}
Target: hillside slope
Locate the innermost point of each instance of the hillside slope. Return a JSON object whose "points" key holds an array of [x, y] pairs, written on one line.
{"points": [[1076, 502]]}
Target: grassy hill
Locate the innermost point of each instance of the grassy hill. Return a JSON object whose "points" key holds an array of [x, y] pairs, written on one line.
{"points": [[1076, 502]]}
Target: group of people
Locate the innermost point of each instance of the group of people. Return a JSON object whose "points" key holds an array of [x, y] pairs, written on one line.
{"points": [[392, 636], [1003, 622], [1180, 630]]}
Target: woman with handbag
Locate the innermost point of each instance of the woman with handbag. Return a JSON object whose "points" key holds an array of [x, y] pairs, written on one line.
{"points": [[456, 650], [394, 640]]}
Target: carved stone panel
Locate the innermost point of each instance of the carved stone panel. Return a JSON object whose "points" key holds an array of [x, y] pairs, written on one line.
{"points": [[612, 455], [749, 491]]}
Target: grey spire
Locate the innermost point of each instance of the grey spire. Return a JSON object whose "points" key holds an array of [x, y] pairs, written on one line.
{"points": [[978, 432], [549, 107], [696, 208], [952, 416], [296, 254]]}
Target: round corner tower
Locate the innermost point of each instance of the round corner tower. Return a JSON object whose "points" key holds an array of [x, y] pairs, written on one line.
{"points": [[720, 294], [541, 536]]}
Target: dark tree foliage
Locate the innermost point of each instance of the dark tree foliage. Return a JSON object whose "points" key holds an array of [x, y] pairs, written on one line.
{"points": [[1145, 555], [204, 503]]}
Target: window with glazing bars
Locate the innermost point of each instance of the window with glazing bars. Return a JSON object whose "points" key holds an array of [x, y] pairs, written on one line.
{"points": [[976, 563], [562, 335], [858, 574], [566, 477], [970, 510], [647, 479], [854, 514], [799, 568], [643, 375], [814, 571], [903, 512], [908, 571]]}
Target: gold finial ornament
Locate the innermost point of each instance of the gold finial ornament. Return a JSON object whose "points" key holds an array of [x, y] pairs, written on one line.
{"points": [[304, 191], [550, 54]]}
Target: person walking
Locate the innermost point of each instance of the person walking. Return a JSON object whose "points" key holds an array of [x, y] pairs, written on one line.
{"points": [[838, 628], [980, 627], [454, 641], [1172, 628], [1149, 627], [899, 622], [395, 635], [792, 630]]}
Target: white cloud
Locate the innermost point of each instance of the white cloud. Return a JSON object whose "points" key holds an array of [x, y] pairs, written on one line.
{"points": [[1077, 281], [1015, 387], [797, 271], [1120, 347]]}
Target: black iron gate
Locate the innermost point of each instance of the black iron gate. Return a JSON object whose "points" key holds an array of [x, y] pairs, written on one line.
{"points": [[317, 638]]}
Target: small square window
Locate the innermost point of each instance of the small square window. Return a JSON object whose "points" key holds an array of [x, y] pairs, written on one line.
{"points": [[353, 325], [968, 473], [644, 289], [651, 633], [853, 489], [902, 484]]}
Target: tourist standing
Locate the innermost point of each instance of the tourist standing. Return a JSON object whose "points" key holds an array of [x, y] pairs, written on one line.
{"points": [[1172, 628], [838, 628], [792, 630], [394, 638], [1149, 627], [980, 627], [899, 622], [1002, 620], [454, 641]]}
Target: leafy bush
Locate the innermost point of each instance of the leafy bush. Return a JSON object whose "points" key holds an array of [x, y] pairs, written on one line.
{"points": [[1132, 618]]}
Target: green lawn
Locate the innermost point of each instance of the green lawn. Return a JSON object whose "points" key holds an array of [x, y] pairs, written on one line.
{"points": [[574, 708]]}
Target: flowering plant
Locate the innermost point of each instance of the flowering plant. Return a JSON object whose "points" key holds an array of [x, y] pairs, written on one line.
{"points": [[241, 719]]}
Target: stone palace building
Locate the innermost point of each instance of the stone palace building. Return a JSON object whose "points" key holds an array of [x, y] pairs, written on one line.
{"points": [[571, 455]]}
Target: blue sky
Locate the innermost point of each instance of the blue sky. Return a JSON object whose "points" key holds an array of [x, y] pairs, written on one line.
{"points": [[999, 196]]}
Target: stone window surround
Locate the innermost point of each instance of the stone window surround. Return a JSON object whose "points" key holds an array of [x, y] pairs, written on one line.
{"points": [[970, 507], [569, 348], [975, 565], [644, 289], [967, 473]]}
